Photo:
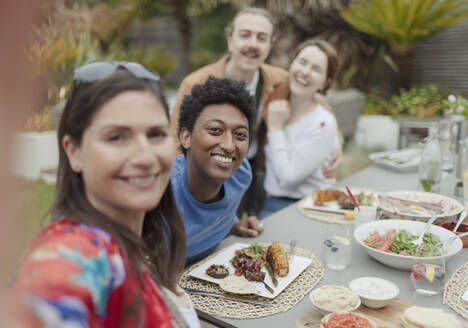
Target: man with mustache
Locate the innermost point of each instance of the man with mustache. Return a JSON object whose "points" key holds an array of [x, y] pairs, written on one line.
{"points": [[211, 176], [249, 37]]}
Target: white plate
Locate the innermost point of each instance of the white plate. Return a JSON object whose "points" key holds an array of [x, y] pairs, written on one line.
{"points": [[450, 207], [415, 227], [333, 205], [299, 264]]}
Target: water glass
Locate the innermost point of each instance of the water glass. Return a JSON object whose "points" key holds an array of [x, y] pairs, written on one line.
{"points": [[428, 276], [364, 215], [337, 247]]}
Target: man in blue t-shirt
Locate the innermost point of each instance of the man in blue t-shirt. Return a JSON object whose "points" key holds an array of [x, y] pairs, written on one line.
{"points": [[210, 178]]}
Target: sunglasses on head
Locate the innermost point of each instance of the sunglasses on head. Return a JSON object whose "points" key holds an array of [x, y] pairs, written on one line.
{"points": [[97, 70]]}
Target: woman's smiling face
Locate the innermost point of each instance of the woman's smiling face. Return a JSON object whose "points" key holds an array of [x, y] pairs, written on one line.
{"points": [[126, 155], [308, 71]]}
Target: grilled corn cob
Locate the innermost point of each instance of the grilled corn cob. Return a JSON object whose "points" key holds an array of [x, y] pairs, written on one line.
{"points": [[278, 259]]}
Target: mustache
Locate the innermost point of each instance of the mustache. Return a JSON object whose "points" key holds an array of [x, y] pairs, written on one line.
{"points": [[251, 50]]}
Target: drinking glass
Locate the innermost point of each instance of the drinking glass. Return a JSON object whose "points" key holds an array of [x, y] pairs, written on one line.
{"points": [[337, 247], [364, 214], [428, 276], [463, 162]]}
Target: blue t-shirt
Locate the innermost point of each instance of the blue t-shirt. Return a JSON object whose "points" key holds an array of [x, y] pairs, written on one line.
{"points": [[206, 224]]}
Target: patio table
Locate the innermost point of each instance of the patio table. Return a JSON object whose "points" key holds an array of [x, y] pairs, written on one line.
{"points": [[290, 223]]}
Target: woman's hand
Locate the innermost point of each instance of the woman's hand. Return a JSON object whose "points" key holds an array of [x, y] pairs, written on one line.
{"points": [[278, 113], [248, 227], [330, 172]]}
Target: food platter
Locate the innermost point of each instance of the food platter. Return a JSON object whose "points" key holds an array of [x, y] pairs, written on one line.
{"points": [[333, 206], [449, 207], [298, 264]]}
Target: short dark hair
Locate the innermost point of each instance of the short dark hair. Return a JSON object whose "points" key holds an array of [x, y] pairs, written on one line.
{"points": [[216, 91], [163, 236], [229, 29], [332, 58]]}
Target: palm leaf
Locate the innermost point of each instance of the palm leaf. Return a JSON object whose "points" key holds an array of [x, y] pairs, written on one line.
{"points": [[401, 23]]}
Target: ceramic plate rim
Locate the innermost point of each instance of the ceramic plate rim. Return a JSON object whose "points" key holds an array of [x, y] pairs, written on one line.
{"points": [[396, 193], [283, 282], [339, 210]]}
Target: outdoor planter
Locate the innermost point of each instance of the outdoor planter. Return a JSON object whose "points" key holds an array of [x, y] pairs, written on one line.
{"points": [[378, 132], [34, 152], [347, 104]]}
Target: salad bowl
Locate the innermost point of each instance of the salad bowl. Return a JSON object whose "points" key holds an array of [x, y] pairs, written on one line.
{"points": [[397, 261]]}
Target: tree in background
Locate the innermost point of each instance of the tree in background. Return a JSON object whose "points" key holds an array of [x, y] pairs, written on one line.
{"points": [[403, 23]]}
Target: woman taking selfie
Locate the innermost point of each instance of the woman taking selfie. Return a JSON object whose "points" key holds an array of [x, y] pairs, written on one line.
{"points": [[113, 261], [302, 134]]}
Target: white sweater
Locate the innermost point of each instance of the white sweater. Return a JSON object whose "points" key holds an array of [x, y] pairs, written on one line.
{"points": [[296, 155]]}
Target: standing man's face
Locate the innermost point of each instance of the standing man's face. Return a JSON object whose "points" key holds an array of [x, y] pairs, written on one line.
{"points": [[250, 42]]}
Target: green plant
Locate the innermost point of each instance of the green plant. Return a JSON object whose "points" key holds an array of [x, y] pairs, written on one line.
{"points": [[377, 105], [426, 100], [157, 57], [420, 101], [456, 105], [402, 23], [39, 122]]}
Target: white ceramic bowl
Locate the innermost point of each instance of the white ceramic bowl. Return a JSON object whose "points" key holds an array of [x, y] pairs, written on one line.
{"points": [[415, 227], [326, 311], [451, 208], [374, 292], [325, 319]]}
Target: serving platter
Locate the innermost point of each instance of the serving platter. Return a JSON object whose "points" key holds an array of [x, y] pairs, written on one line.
{"points": [[387, 317], [449, 207], [298, 264], [309, 202]]}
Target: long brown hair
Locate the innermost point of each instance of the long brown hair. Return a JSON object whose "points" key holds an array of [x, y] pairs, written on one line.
{"points": [[162, 244]]}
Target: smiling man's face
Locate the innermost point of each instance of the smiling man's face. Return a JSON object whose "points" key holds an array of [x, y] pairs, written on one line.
{"points": [[250, 42], [218, 143]]}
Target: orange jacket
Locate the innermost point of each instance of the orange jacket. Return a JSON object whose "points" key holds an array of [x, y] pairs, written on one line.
{"points": [[275, 86]]}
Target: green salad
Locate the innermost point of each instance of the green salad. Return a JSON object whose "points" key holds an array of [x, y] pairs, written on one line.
{"points": [[400, 242]]}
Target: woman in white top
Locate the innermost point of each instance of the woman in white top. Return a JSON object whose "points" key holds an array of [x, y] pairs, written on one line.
{"points": [[302, 134]]}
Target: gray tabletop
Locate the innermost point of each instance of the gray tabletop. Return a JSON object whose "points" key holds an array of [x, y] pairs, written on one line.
{"points": [[290, 223]]}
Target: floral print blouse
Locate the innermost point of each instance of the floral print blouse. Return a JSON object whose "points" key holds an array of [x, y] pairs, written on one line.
{"points": [[76, 275]]}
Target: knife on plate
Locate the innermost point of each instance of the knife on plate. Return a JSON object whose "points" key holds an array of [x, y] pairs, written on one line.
{"points": [[325, 210], [231, 297]]}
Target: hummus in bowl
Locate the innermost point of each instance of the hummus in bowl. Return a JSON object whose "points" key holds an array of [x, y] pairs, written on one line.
{"points": [[334, 298]]}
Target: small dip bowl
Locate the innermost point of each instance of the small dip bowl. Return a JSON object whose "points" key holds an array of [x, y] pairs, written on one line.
{"points": [[325, 319], [462, 228], [374, 292], [325, 310]]}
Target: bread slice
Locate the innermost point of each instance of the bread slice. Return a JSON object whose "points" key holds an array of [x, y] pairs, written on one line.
{"points": [[422, 317], [237, 285]]}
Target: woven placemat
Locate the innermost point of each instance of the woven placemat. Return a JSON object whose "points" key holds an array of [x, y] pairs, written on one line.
{"points": [[322, 216], [454, 290], [225, 308]]}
